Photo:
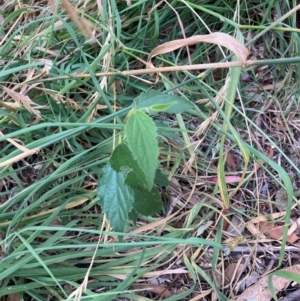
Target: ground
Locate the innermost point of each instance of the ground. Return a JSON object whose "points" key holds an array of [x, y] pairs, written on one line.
{"points": [[229, 146]]}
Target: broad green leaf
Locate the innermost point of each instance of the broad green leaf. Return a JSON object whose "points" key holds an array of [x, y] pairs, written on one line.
{"points": [[141, 135], [147, 203], [122, 156], [116, 197], [162, 107], [155, 101], [133, 215], [161, 179], [135, 180]]}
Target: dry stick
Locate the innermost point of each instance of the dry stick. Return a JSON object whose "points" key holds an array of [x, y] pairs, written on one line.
{"points": [[156, 70], [260, 250], [183, 68], [26, 152]]}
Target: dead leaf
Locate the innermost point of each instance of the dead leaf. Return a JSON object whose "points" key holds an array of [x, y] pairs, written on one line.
{"points": [[160, 290], [13, 297], [254, 231], [261, 218], [260, 291], [175, 185], [276, 232], [100, 7], [228, 179], [45, 71], [218, 38], [233, 271], [15, 143], [204, 227], [230, 161], [237, 225]]}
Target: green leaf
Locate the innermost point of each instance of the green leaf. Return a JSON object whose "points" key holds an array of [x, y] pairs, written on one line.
{"points": [[147, 203], [122, 156], [155, 101], [161, 179], [133, 215], [116, 197], [141, 133], [135, 180]]}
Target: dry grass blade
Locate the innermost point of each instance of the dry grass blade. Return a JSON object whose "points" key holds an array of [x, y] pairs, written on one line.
{"points": [[84, 25], [217, 38], [26, 152], [16, 144], [17, 158], [24, 100]]}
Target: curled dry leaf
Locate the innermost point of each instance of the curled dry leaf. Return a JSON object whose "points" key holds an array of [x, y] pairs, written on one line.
{"points": [[261, 292], [218, 38]]}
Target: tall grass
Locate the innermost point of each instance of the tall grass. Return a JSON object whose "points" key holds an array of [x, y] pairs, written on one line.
{"points": [[51, 226]]}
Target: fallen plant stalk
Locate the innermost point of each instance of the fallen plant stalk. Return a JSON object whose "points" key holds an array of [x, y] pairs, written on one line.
{"points": [[248, 63]]}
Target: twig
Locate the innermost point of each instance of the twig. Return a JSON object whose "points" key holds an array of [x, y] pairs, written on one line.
{"points": [[262, 250], [292, 60]]}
